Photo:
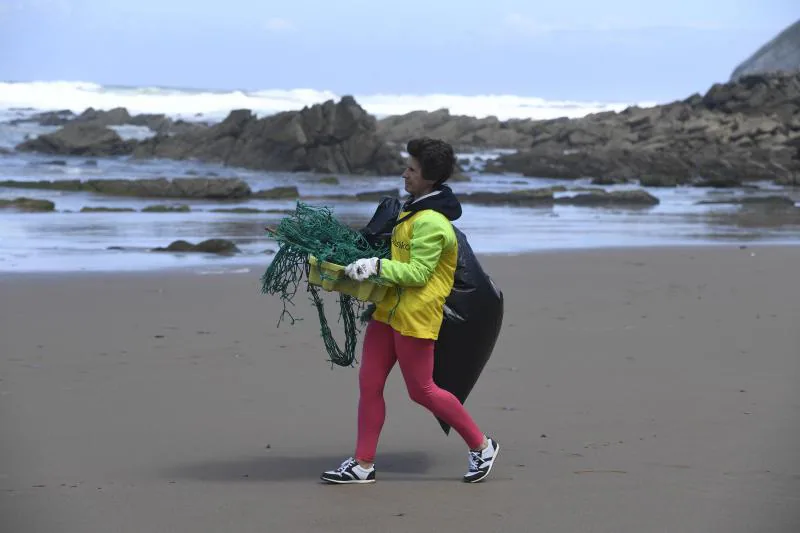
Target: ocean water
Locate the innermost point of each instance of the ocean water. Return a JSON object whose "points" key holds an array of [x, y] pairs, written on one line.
{"points": [[67, 240]]}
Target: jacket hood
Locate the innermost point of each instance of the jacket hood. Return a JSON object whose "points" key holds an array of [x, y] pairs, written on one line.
{"points": [[443, 201]]}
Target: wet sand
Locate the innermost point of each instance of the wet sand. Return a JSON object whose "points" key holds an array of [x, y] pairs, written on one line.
{"points": [[638, 390]]}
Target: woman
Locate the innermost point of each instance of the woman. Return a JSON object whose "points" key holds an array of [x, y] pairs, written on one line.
{"points": [[405, 324]]}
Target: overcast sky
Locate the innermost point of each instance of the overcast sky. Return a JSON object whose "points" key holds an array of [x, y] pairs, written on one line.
{"points": [[615, 50]]}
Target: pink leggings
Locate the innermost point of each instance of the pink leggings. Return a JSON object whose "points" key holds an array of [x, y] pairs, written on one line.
{"points": [[383, 346]]}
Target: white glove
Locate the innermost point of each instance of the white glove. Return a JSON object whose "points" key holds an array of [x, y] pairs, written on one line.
{"points": [[362, 269]]}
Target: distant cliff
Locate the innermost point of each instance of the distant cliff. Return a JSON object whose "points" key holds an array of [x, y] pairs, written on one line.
{"points": [[782, 53]]}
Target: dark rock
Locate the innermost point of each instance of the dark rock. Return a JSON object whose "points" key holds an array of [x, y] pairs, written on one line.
{"points": [[694, 100], [217, 246], [166, 209], [205, 188], [614, 198], [608, 180], [278, 193], [211, 188], [102, 209], [58, 185], [113, 117], [119, 116], [658, 180], [156, 122], [79, 139], [719, 182], [177, 246], [462, 132], [338, 138], [176, 188], [27, 204], [524, 197], [538, 164], [211, 246], [739, 131], [707, 148], [777, 201], [792, 179], [756, 94], [54, 118], [48, 118], [244, 210], [182, 127]]}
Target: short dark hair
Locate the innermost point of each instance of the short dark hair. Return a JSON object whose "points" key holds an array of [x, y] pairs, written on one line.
{"points": [[436, 158]]}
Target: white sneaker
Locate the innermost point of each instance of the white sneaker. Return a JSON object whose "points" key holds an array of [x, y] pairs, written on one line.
{"points": [[481, 462], [349, 472]]}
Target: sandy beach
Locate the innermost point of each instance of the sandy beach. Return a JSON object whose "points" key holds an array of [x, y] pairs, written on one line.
{"points": [[632, 391]]}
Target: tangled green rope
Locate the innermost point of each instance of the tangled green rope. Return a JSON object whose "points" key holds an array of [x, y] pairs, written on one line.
{"points": [[315, 231]]}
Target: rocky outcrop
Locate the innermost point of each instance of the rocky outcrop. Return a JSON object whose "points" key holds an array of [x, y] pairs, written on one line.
{"points": [[768, 201], [166, 209], [545, 196], [251, 211], [278, 193], [80, 139], [775, 96], [103, 209], [158, 123], [522, 197], [118, 116], [48, 118], [613, 198], [737, 132], [339, 138], [741, 131], [781, 53], [462, 132], [200, 188], [334, 137], [112, 117], [729, 111], [210, 246], [27, 204]]}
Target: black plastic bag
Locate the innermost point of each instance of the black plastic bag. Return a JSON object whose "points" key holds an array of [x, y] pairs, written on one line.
{"points": [[473, 312]]}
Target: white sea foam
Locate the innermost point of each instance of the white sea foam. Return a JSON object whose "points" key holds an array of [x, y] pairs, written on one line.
{"points": [[214, 105]]}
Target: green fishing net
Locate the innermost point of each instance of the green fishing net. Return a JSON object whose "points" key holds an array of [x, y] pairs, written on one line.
{"points": [[313, 230]]}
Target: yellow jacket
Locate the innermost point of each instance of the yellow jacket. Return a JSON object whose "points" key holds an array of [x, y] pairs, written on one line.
{"points": [[424, 254]]}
